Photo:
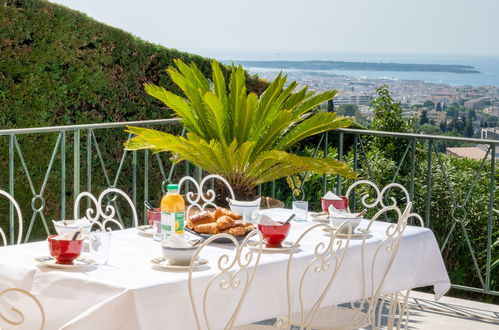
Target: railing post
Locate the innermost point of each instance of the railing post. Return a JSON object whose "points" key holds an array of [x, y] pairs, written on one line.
{"points": [[413, 164], [76, 165], [355, 166], [490, 219], [324, 177], [428, 186], [63, 174], [134, 178], [340, 158], [11, 187], [146, 181], [89, 165]]}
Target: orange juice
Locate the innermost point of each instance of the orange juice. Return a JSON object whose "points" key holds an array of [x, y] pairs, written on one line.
{"points": [[172, 213]]}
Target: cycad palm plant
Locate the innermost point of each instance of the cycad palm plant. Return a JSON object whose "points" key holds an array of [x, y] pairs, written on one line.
{"points": [[239, 135]]}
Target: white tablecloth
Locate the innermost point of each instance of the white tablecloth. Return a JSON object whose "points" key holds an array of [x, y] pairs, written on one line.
{"points": [[130, 294]]}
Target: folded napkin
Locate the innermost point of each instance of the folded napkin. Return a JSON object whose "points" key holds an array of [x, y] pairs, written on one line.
{"points": [[331, 196], [83, 222], [267, 220], [69, 236], [176, 241], [335, 213]]}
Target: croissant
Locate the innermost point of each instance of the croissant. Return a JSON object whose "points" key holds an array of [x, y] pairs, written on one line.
{"points": [[207, 228], [225, 222], [201, 218], [220, 211], [236, 231]]}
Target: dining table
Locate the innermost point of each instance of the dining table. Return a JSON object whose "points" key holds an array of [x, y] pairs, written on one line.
{"points": [[130, 292]]}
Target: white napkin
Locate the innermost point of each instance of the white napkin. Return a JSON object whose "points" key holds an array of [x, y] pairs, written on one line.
{"points": [[83, 222], [69, 236], [267, 220], [176, 241], [334, 212], [331, 196]]}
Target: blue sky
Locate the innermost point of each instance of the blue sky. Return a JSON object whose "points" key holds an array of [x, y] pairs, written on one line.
{"points": [[438, 27]]}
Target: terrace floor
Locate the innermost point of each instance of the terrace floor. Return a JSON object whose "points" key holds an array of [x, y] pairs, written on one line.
{"points": [[451, 313]]}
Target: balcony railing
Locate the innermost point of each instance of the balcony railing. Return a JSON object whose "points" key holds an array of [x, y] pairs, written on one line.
{"points": [[91, 158]]}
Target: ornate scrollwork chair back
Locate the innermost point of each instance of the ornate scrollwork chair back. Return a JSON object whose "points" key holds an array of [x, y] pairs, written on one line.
{"points": [[105, 216], [301, 280], [12, 312], [3, 237], [234, 273], [201, 199]]}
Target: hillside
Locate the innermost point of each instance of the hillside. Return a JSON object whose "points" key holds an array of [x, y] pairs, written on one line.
{"points": [[58, 67]]}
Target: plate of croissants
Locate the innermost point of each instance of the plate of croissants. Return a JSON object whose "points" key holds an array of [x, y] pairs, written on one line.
{"points": [[221, 220]]}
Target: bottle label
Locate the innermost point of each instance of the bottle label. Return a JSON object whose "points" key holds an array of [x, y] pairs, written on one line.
{"points": [[171, 222]]}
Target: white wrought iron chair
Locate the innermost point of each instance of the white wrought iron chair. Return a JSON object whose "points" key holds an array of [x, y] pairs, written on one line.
{"points": [[3, 238], [11, 314], [367, 311], [201, 199], [105, 214], [235, 272]]}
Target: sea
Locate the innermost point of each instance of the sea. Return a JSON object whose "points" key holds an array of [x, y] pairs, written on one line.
{"points": [[487, 65]]}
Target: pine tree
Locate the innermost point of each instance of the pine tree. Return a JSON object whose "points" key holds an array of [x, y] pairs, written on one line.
{"points": [[438, 107], [424, 118]]}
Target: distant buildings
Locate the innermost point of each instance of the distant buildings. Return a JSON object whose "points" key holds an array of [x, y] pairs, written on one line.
{"points": [[434, 116]]}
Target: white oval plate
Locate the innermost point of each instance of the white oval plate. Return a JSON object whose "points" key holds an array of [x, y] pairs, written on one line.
{"points": [[165, 264], [318, 217], [145, 230], [357, 233], [77, 263], [286, 246]]}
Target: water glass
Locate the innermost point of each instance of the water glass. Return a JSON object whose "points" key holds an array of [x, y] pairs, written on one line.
{"points": [[300, 209], [100, 243]]}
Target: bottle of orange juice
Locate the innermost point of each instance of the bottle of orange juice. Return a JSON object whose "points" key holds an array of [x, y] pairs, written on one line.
{"points": [[172, 213]]}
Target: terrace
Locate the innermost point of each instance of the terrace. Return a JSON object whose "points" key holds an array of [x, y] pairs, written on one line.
{"points": [[85, 158]]}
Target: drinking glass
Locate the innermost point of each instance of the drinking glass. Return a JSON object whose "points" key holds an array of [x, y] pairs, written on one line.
{"points": [[100, 243], [300, 209]]}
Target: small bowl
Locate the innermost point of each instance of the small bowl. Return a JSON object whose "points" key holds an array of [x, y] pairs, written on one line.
{"points": [[64, 251], [273, 235], [339, 204], [336, 223], [61, 229], [178, 256]]}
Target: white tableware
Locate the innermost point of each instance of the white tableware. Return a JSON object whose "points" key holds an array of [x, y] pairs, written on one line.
{"points": [[286, 246], [318, 217], [165, 264], [178, 254], [146, 230], [356, 234], [300, 208], [248, 210], [100, 244], [65, 226], [77, 263]]}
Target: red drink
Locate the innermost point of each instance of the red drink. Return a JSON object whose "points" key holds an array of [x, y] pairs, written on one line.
{"points": [[64, 251], [273, 235], [339, 204]]}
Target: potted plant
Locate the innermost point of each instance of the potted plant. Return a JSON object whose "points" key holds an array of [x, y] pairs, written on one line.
{"points": [[238, 135]]}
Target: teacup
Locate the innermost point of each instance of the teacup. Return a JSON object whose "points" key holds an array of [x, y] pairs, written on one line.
{"points": [[64, 251], [339, 204], [273, 235]]}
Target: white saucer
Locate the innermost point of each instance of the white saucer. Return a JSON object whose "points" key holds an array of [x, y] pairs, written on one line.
{"points": [[286, 246], [318, 217], [165, 264], [145, 230], [77, 263], [357, 233]]}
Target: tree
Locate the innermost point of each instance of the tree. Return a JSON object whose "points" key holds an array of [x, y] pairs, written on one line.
{"points": [[444, 107], [443, 126], [429, 129], [330, 106], [348, 110], [424, 118], [468, 129], [438, 107], [429, 104], [388, 117], [242, 137]]}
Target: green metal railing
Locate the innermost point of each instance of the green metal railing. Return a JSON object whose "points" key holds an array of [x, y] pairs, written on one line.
{"points": [[84, 140], [418, 144], [78, 153]]}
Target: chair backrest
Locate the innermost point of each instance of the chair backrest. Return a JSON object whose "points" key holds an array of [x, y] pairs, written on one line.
{"points": [[108, 214], [330, 249], [200, 199], [234, 274], [3, 238], [381, 198], [13, 315]]}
